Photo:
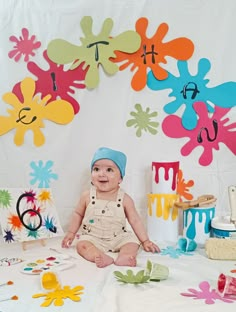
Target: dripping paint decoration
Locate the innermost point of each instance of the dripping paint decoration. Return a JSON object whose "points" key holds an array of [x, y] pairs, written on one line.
{"points": [[28, 214], [162, 217], [164, 177], [197, 224]]}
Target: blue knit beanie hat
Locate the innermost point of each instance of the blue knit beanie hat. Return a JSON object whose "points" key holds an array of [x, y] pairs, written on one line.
{"points": [[117, 157]]}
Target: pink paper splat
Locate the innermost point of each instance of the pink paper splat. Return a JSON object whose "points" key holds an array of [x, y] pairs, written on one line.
{"points": [[209, 132], [23, 46], [56, 81], [210, 295]]}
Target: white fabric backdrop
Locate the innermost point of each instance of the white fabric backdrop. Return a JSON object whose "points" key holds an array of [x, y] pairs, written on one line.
{"points": [[105, 110]]}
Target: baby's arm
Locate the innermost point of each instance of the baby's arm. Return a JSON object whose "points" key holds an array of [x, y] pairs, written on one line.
{"points": [[76, 220], [137, 225]]}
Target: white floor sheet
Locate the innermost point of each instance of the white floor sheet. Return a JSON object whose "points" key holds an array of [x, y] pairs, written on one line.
{"points": [[103, 293]]}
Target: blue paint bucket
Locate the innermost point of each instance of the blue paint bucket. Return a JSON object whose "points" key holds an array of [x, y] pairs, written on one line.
{"points": [[223, 228], [197, 224]]}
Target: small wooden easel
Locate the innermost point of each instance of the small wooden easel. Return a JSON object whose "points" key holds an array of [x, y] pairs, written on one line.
{"points": [[26, 243]]}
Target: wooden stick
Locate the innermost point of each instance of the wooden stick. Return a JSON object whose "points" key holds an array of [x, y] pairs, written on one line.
{"points": [[25, 243]]}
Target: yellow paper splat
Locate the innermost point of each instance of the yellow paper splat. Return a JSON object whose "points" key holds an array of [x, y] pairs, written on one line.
{"points": [[57, 296], [29, 114], [50, 281]]}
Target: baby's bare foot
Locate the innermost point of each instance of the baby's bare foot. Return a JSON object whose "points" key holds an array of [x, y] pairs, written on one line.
{"points": [[103, 260], [126, 260]]}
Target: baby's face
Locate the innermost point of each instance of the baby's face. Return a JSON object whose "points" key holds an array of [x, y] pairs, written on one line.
{"points": [[106, 175]]}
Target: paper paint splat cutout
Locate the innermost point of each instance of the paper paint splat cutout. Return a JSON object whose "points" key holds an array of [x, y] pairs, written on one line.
{"points": [[174, 253], [38, 266], [152, 52], [56, 81], [25, 45], [207, 294], [42, 173], [142, 120], [29, 114], [55, 292], [28, 215], [189, 89], [208, 134], [58, 296], [183, 187], [95, 50]]}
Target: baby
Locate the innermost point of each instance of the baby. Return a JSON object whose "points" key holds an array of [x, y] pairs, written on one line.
{"points": [[101, 215]]}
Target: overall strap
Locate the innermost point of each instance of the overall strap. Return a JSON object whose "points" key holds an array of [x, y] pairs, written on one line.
{"points": [[120, 197], [92, 193]]}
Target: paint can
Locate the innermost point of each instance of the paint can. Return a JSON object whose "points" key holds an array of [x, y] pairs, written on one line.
{"points": [[197, 224], [223, 228], [162, 217]]}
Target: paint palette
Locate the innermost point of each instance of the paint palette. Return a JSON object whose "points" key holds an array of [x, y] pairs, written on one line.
{"points": [[45, 264]]}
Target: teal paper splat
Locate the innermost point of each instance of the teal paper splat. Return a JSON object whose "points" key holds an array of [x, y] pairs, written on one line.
{"points": [[174, 252], [189, 89], [42, 173]]}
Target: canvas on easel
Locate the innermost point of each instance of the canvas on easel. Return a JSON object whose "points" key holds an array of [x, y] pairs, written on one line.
{"points": [[28, 215]]}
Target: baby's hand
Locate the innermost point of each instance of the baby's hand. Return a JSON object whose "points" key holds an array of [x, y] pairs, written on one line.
{"points": [[67, 240], [150, 246]]}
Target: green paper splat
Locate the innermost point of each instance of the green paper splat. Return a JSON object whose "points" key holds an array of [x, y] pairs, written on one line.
{"points": [[95, 49], [131, 278], [154, 272]]}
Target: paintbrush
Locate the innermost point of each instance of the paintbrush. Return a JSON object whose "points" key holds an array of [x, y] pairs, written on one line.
{"points": [[7, 283], [64, 256], [11, 298], [201, 201]]}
